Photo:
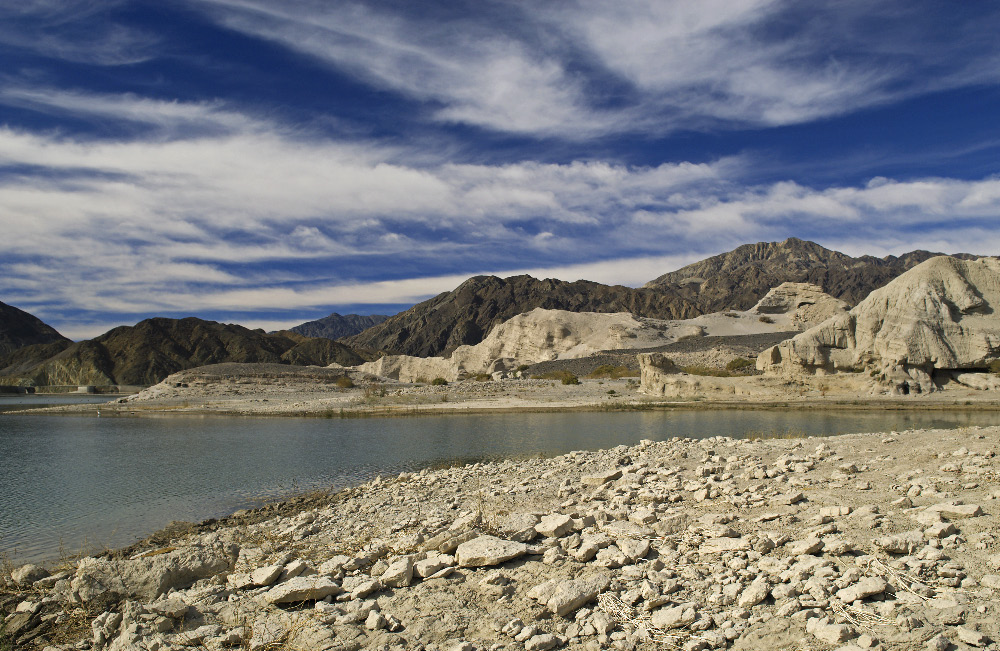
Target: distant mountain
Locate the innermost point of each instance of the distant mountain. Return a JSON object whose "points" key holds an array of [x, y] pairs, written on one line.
{"points": [[19, 329], [151, 350], [738, 279], [467, 314], [337, 326]]}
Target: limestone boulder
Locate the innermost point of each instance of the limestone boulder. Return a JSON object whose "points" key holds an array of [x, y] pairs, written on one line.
{"points": [[801, 305], [937, 318], [146, 578]]}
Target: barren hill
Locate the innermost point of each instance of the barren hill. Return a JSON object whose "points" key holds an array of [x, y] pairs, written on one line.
{"points": [[741, 277], [19, 329], [466, 314], [153, 349]]}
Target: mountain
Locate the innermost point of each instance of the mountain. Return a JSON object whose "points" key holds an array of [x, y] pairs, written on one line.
{"points": [[19, 329], [738, 279], [466, 314], [337, 326], [149, 351]]}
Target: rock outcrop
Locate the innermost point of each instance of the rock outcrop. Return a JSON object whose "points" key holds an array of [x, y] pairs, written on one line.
{"points": [[536, 336], [799, 305], [912, 335], [467, 314]]}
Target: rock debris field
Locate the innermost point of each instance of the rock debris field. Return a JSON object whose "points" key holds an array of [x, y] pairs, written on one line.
{"points": [[872, 541]]}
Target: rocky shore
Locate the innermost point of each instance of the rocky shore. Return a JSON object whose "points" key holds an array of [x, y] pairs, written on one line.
{"points": [[873, 541]]}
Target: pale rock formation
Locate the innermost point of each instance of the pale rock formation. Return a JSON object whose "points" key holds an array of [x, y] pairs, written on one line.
{"points": [[937, 318], [536, 336], [799, 305]]}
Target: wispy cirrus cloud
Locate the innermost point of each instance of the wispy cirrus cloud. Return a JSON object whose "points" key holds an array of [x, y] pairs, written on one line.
{"points": [[585, 68]]}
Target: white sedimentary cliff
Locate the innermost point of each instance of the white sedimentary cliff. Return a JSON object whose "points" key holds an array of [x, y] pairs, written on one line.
{"points": [[933, 324], [799, 305], [536, 336]]}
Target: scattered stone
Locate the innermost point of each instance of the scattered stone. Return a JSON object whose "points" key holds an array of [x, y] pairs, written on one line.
{"points": [[864, 588], [302, 588]]}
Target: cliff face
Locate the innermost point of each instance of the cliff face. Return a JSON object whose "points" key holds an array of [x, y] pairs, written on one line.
{"points": [[19, 329], [151, 350], [741, 277], [465, 315], [337, 326], [938, 317]]}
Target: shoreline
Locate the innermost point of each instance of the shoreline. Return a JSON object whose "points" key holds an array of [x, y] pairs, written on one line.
{"points": [[805, 524]]}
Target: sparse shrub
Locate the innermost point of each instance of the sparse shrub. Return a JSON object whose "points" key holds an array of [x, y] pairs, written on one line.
{"points": [[374, 390], [612, 372], [611, 392], [522, 368], [483, 377], [420, 380], [563, 376], [739, 363], [733, 315], [345, 382], [765, 319], [439, 382], [995, 367]]}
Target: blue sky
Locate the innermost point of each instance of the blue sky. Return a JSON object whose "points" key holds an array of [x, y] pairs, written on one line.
{"points": [[269, 161]]}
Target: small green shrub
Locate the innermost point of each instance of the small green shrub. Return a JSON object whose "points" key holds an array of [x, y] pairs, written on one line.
{"points": [[522, 368], [995, 367], [765, 319], [482, 377], [420, 380], [439, 382], [739, 363], [611, 392], [345, 382], [563, 376], [612, 372]]}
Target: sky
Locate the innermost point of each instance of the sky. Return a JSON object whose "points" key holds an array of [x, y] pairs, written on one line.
{"points": [[267, 162]]}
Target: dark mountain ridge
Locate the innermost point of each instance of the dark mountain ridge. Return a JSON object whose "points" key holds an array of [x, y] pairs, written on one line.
{"points": [[151, 350], [337, 326], [19, 329]]}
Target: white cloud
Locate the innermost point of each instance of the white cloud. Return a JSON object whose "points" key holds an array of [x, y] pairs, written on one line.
{"points": [[259, 219], [680, 65]]}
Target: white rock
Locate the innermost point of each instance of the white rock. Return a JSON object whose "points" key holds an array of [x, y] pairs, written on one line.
{"points": [[28, 574], [601, 478], [542, 642], [265, 576], [488, 550], [970, 636], [675, 617], [957, 511], [806, 546], [866, 587], [555, 525], [302, 588], [567, 596], [399, 574], [754, 593], [722, 545]]}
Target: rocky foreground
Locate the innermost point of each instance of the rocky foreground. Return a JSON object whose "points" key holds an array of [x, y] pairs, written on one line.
{"points": [[877, 541]]}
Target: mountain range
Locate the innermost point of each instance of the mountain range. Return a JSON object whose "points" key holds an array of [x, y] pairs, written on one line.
{"points": [[33, 353]]}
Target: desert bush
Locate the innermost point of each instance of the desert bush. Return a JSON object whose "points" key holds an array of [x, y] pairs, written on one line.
{"points": [[482, 377], [612, 372], [707, 371], [522, 368], [563, 376], [995, 367], [439, 382], [345, 382], [739, 363], [765, 319]]}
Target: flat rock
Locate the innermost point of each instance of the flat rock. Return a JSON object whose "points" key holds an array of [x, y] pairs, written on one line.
{"points": [[28, 574], [555, 526], [488, 550], [866, 587], [570, 595], [621, 529], [722, 545], [601, 478], [302, 588], [674, 617], [957, 511]]}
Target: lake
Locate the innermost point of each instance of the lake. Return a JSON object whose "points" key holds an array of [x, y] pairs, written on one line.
{"points": [[78, 483]]}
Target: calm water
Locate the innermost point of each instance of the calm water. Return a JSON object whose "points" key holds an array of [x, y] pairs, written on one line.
{"points": [[75, 482]]}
